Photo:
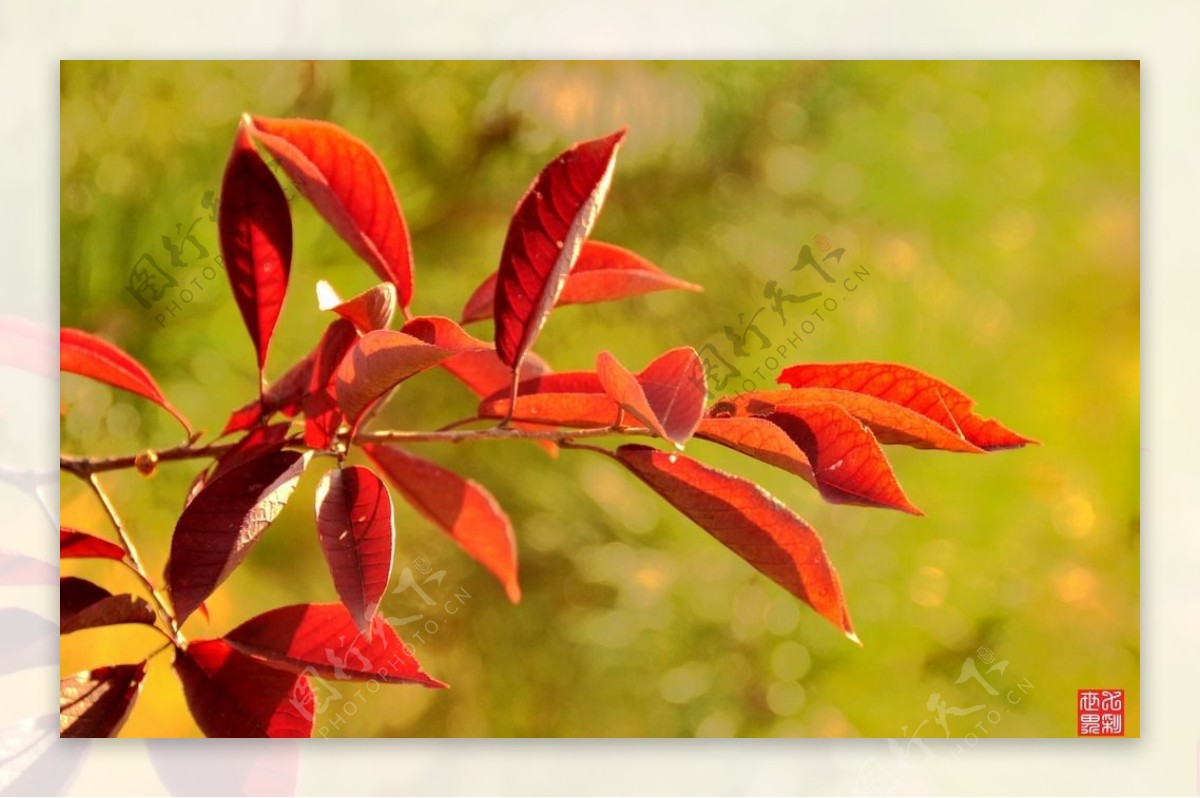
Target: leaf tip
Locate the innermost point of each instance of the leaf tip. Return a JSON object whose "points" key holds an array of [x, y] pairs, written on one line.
{"points": [[513, 591], [853, 638]]}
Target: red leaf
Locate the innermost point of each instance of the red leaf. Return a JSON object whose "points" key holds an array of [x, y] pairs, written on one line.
{"points": [[346, 183], [444, 332], [322, 639], [84, 605], [255, 226], [584, 410], [544, 238], [909, 388], [890, 422], [255, 444], [751, 522], [89, 356], [73, 543], [358, 537], [484, 374], [460, 507], [378, 362], [221, 525], [602, 273], [759, 439], [285, 395], [667, 396], [321, 412], [847, 462], [371, 310], [233, 695], [96, 703]]}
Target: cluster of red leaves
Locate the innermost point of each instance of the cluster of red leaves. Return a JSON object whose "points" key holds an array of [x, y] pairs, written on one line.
{"points": [[826, 428]]}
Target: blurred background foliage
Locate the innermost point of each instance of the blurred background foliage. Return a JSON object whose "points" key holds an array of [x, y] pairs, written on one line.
{"points": [[994, 210]]}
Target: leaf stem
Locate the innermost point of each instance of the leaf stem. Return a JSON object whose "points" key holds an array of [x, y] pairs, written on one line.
{"points": [[134, 562]]}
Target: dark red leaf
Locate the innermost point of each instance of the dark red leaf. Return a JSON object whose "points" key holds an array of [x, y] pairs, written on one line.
{"points": [[759, 439], [84, 605], [751, 522], [221, 525], [444, 332], [377, 363], [602, 273], [254, 444], [371, 310], [73, 543], [257, 442], [89, 356], [358, 536], [322, 414], [460, 507], [96, 703], [891, 423], [544, 238], [346, 183], [255, 226], [909, 388], [584, 410], [322, 639], [847, 462], [233, 695]]}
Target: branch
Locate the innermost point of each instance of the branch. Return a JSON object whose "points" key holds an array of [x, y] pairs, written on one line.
{"points": [[85, 467], [134, 562]]}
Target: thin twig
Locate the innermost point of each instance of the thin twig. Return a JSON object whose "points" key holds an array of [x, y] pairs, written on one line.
{"points": [[134, 561], [85, 467]]}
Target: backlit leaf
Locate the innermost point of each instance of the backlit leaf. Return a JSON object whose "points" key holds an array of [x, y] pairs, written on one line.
{"points": [[73, 543], [343, 179], [85, 354], [748, 520], [759, 439], [96, 703], [602, 273], [460, 507], [233, 695], [324, 638], [221, 525], [849, 465], [255, 227], [544, 238], [357, 534], [322, 415], [891, 423], [371, 310], [377, 363], [909, 388]]}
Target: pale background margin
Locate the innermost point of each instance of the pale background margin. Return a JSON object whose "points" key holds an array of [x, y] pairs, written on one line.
{"points": [[33, 37]]}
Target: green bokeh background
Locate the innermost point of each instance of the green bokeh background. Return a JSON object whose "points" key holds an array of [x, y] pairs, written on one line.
{"points": [[994, 208]]}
